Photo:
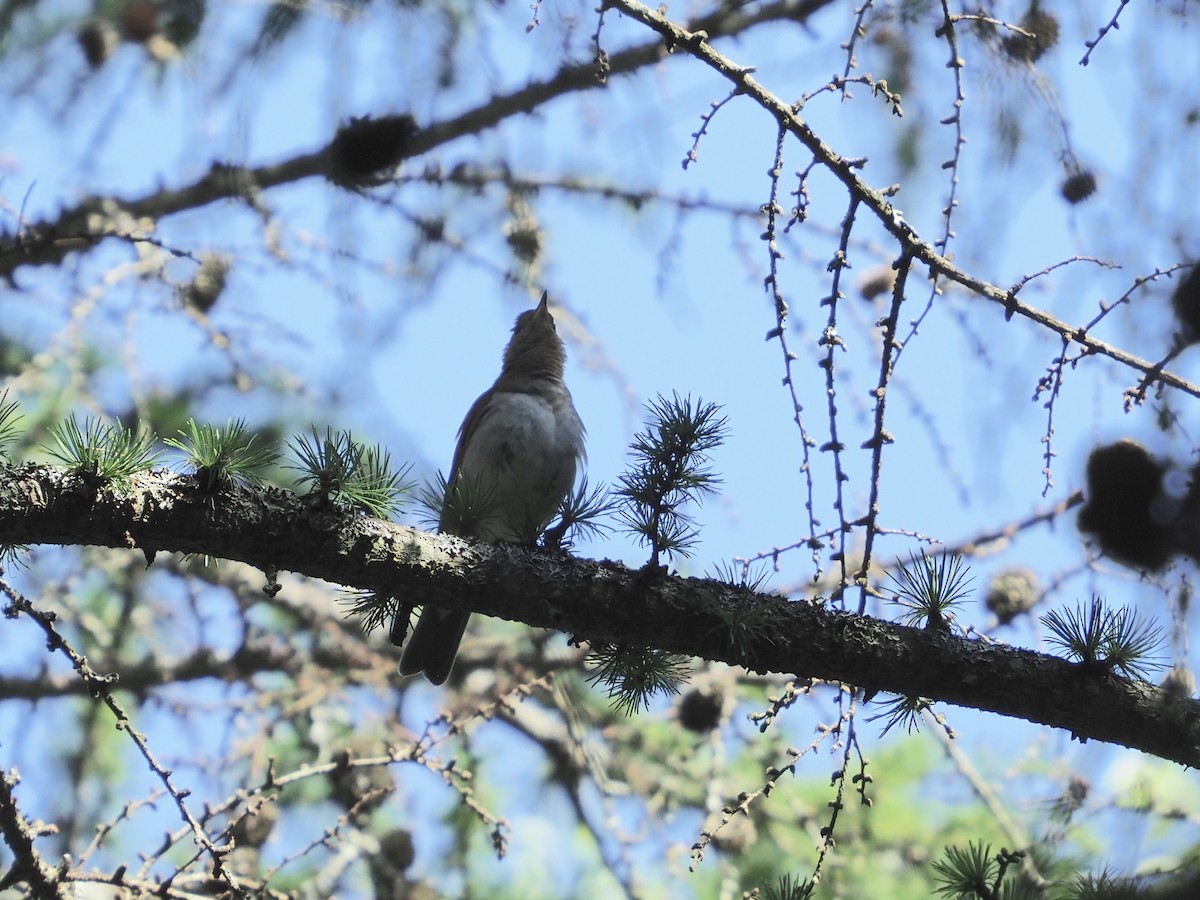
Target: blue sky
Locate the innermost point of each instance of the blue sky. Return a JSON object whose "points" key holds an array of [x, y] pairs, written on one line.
{"points": [[646, 309]]}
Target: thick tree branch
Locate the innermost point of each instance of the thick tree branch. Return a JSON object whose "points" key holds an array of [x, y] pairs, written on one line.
{"points": [[593, 601]]}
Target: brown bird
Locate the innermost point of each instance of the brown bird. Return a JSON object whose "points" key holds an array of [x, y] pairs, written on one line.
{"points": [[517, 452]]}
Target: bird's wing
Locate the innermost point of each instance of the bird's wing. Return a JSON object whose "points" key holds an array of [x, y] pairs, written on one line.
{"points": [[476, 415]]}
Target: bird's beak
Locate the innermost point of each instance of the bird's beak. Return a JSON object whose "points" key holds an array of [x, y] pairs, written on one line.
{"points": [[544, 306]]}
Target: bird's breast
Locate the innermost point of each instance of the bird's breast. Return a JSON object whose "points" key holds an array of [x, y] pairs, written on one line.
{"points": [[525, 448]]}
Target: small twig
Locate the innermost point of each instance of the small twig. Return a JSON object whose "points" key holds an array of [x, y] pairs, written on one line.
{"points": [[1105, 29], [99, 686], [19, 834], [705, 121]]}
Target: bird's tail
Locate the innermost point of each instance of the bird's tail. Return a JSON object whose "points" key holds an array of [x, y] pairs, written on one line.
{"points": [[434, 643]]}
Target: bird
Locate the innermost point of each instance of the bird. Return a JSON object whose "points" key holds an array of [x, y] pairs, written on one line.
{"points": [[516, 458]]}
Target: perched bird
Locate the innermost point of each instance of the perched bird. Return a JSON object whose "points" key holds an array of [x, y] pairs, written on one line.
{"points": [[515, 461]]}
